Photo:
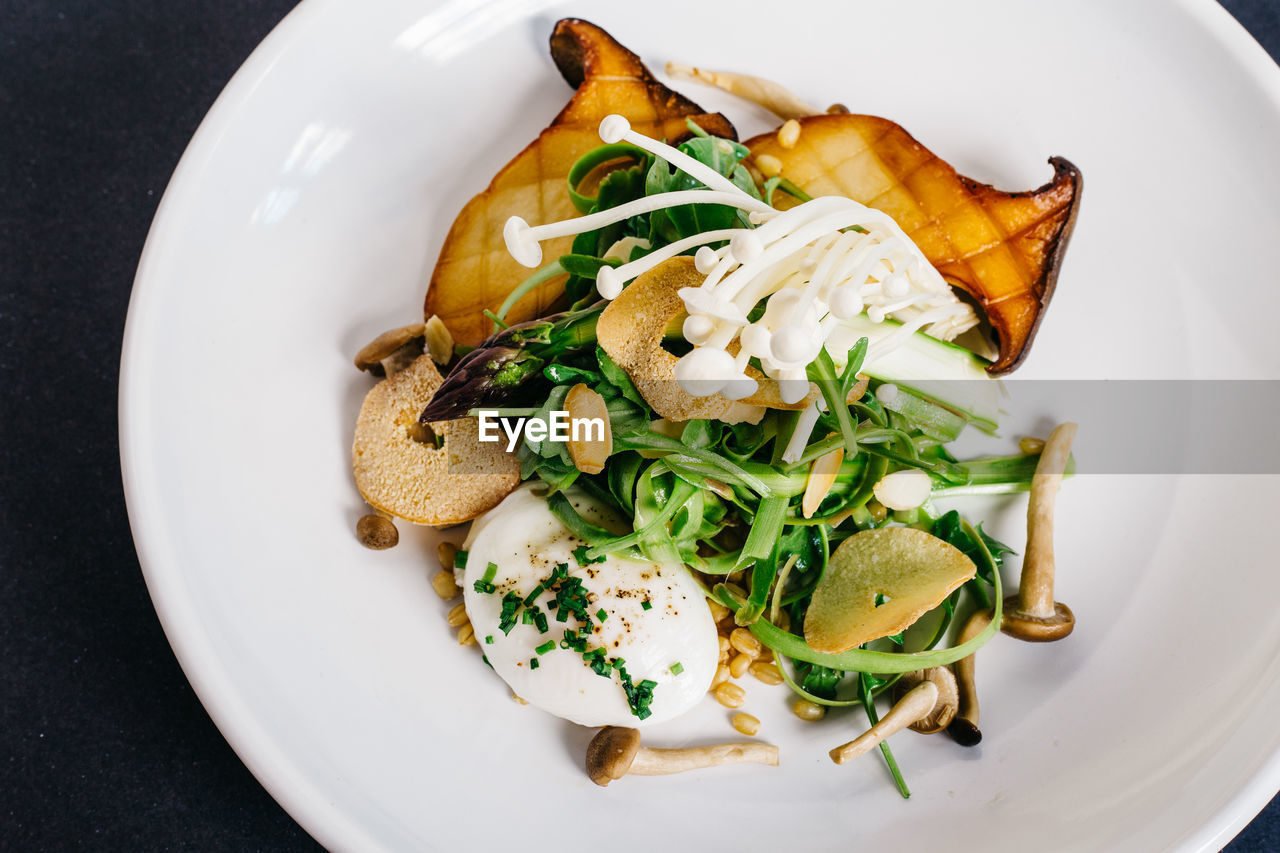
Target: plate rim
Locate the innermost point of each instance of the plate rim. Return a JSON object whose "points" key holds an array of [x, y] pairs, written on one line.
{"points": [[212, 681]]}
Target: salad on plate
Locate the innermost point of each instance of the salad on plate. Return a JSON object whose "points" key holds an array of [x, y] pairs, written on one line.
{"points": [[696, 397]]}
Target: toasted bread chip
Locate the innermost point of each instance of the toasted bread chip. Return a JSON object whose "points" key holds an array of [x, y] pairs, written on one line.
{"points": [[415, 480], [631, 328], [1002, 248], [910, 570], [474, 271]]}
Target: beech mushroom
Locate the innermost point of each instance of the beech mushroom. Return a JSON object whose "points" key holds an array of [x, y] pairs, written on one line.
{"points": [[616, 751], [944, 708], [964, 728], [917, 704], [393, 350], [1032, 614]]}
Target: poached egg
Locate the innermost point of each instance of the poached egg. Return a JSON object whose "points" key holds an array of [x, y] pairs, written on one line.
{"points": [[650, 618]]}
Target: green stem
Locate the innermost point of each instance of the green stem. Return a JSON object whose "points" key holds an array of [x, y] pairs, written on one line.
{"points": [[766, 529], [998, 475], [653, 441], [817, 700], [580, 527], [869, 705], [680, 493], [862, 660], [823, 372], [498, 323], [547, 273]]}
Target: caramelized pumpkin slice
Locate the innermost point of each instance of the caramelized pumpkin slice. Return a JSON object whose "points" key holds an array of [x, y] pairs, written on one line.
{"points": [[1002, 248], [474, 271]]}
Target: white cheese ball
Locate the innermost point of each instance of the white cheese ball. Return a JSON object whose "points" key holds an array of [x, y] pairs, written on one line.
{"points": [[525, 540]]}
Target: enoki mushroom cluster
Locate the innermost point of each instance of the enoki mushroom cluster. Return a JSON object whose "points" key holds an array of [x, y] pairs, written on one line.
{"points": [[813, 266]]}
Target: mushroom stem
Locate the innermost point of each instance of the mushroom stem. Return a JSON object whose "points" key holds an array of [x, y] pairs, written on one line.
{"points": [[946, 705], [964, 728], [1031, 613], [1035, 592], [615, 751], [915, 705], [661, 762], [772, 96]]}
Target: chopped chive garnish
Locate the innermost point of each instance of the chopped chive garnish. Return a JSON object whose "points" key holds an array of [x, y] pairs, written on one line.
{"points": [[508, 619], [533, 663], [677, 668], [460, 559], [489, 640], [545, 647], [485, 584], [646, 605], [602, 614], [533, 595]]}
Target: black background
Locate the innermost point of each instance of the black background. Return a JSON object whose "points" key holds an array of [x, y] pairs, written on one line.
{"points": [[103, 745]]}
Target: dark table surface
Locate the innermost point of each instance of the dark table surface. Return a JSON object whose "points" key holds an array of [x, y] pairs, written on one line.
{"points": [[103, 745]]}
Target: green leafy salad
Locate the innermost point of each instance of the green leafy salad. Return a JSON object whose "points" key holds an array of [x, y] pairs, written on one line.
{"points": [[768, 506]]}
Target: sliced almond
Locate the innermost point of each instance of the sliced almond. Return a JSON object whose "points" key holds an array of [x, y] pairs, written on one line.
{"points": [[907, 571], [903, 490], [585, 407], [822, 476], [439, 342]]}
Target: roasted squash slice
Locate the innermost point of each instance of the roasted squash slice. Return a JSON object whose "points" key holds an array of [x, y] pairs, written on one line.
{"points": [[474, 271], [1002, 248]]}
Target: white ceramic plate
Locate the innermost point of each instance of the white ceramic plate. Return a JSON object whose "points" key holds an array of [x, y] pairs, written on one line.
{"points": [[305, 217]]}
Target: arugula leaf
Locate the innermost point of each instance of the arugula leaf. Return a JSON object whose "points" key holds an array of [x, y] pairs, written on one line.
{"points": [[949, 527], [586, 265], [618, 378], [819, 680], [622, 472]]}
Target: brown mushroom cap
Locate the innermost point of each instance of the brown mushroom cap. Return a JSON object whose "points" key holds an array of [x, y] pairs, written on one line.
{"points": [[944, 708], [610, 753], [964, 728], [402, 345], [965, 732], [1036, 629]]}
